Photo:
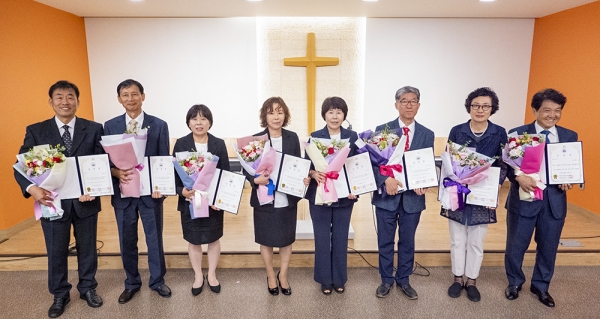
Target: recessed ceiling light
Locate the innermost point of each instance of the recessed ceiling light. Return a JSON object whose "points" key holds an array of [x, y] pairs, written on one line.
{"points": [[254, 0], [370, 0], [487, 0]]}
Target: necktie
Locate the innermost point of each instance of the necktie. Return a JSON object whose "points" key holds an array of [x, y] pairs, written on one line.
{"points": [[406, 129], [132, 127], [67, 139], [547, 133]]}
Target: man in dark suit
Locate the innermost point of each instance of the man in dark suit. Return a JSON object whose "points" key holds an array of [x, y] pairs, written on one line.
{"points": [[130, 94], [80, 137], [546, 216], [400, 211]]}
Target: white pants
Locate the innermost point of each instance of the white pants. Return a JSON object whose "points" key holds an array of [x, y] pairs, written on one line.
{"points": [[466, 248]]}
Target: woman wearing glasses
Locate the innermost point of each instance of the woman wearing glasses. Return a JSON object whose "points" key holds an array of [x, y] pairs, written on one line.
{"points": [[469, 225]]}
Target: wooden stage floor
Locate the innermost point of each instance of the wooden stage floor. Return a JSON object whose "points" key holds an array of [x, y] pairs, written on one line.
{"points": [[240, 250]]}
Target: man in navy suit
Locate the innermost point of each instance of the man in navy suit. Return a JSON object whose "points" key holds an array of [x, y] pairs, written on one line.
{"points": [[400, 211], [80, 137], [546, 216], [130, 94]]}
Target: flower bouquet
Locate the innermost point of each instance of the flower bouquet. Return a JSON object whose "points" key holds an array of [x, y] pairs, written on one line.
{"points": [[461, 166], [384, 153], [525, 153], [258, 158], [127, 151], [196, 170], [328, 156], [46, 167]]}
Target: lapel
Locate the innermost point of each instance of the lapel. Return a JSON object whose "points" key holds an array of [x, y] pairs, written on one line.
{"points": [[212, 143], [394, 124], [80, 131], [148, 119], [188, 142], [120, 125], [285, 138], [53, 132], [531, 128], [417, 138], [322, 133]]}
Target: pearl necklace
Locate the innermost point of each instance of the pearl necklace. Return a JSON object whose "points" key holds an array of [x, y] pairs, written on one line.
{"points": [[478, 134]]}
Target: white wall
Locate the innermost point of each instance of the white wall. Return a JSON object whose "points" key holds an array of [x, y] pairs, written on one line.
{"points": [[446, 59], [180, 62]]}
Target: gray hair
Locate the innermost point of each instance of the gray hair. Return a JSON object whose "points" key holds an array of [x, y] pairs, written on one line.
{"points": [[408, 89]]}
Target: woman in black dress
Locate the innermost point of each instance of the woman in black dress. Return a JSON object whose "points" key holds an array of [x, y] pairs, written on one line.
{"points": [[275, 223], [208, 230]]}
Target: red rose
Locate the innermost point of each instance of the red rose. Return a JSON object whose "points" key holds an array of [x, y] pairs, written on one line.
{"points": [[535, 138], [56, 159], [512, 139], [45, 163], [187, 164], [330, 150]]}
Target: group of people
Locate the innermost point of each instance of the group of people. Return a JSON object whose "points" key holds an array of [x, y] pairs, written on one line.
{"points": [[275, 223]]}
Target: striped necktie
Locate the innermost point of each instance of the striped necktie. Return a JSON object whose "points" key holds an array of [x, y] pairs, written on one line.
{"points": [[66, 137]]}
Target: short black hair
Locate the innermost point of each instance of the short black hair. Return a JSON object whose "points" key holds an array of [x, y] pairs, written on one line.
{"points": [[548, 94], [64, 85], [332, 103], [484, 91], [199, 109], [127, 83]]}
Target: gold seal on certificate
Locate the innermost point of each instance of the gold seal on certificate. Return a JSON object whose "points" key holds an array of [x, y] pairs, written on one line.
{"points": [[95, 175], [292, 174], [485, 193], [420, 168], [360, 174], [565, 163], [162, 175], [229, 191]]}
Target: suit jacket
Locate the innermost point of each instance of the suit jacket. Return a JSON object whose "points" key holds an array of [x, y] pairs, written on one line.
{"points": [[556, 197], [291, 146], [412, 203], [312, 187], [86, 141], [216, 146], [157, 145]]}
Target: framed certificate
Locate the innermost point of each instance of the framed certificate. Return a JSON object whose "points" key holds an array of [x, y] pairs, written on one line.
{"points": [[293, 170], [95, 175], [360, 174], [229, 191], [420, 168], [485, 193], [564, 163], [162, 175]]}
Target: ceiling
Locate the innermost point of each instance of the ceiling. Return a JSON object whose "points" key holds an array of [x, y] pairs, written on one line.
{"points": [[315, 8]]}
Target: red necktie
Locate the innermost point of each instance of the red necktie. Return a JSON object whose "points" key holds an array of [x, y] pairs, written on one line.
{"points": [[406, 129]]}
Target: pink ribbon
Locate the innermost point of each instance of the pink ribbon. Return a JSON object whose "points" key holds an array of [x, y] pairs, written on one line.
{"points": [[330, 176], [388, 170]]}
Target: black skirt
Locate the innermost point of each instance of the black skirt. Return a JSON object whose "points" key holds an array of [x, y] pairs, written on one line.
{"points": [[275, 229], [202, 230]]}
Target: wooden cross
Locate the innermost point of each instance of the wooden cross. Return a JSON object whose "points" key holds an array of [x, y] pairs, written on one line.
{"points": [[311, 62]]}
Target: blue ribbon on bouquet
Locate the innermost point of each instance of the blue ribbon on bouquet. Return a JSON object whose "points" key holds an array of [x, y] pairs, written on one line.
{"points": [[270, 186], [461, 191]]}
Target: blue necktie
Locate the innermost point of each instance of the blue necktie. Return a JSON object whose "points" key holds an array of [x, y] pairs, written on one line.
{"points": [[547, 133]]}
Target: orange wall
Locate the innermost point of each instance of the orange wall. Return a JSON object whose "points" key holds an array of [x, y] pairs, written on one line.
{"points": [[566, 57], [39, 46]]}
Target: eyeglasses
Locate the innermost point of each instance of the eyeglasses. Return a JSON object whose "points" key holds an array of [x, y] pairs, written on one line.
{"points": [[485, 107], [407, 102]]}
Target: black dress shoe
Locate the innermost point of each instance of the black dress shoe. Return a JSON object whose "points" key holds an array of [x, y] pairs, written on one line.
{"points": [[455, 290], [473, 293], [216, 289], [409, 292], [197, 291], [164, 291], [383, 290], [58, 307], [339, 289], [326, 289], [286, 291], [127, 294], [272, 291], [512, 292], [543, 296], [92, 298]]}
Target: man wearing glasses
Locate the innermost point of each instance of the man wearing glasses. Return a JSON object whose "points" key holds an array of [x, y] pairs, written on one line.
{"points": [[400, 211]]}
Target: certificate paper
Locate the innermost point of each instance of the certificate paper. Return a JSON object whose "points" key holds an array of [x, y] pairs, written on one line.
{"points": [[229, 191], [71, 187], [95, 175], [565, 163], [420, 168], [162, 175], [485, 193], [360, 174], [292, 174]]}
